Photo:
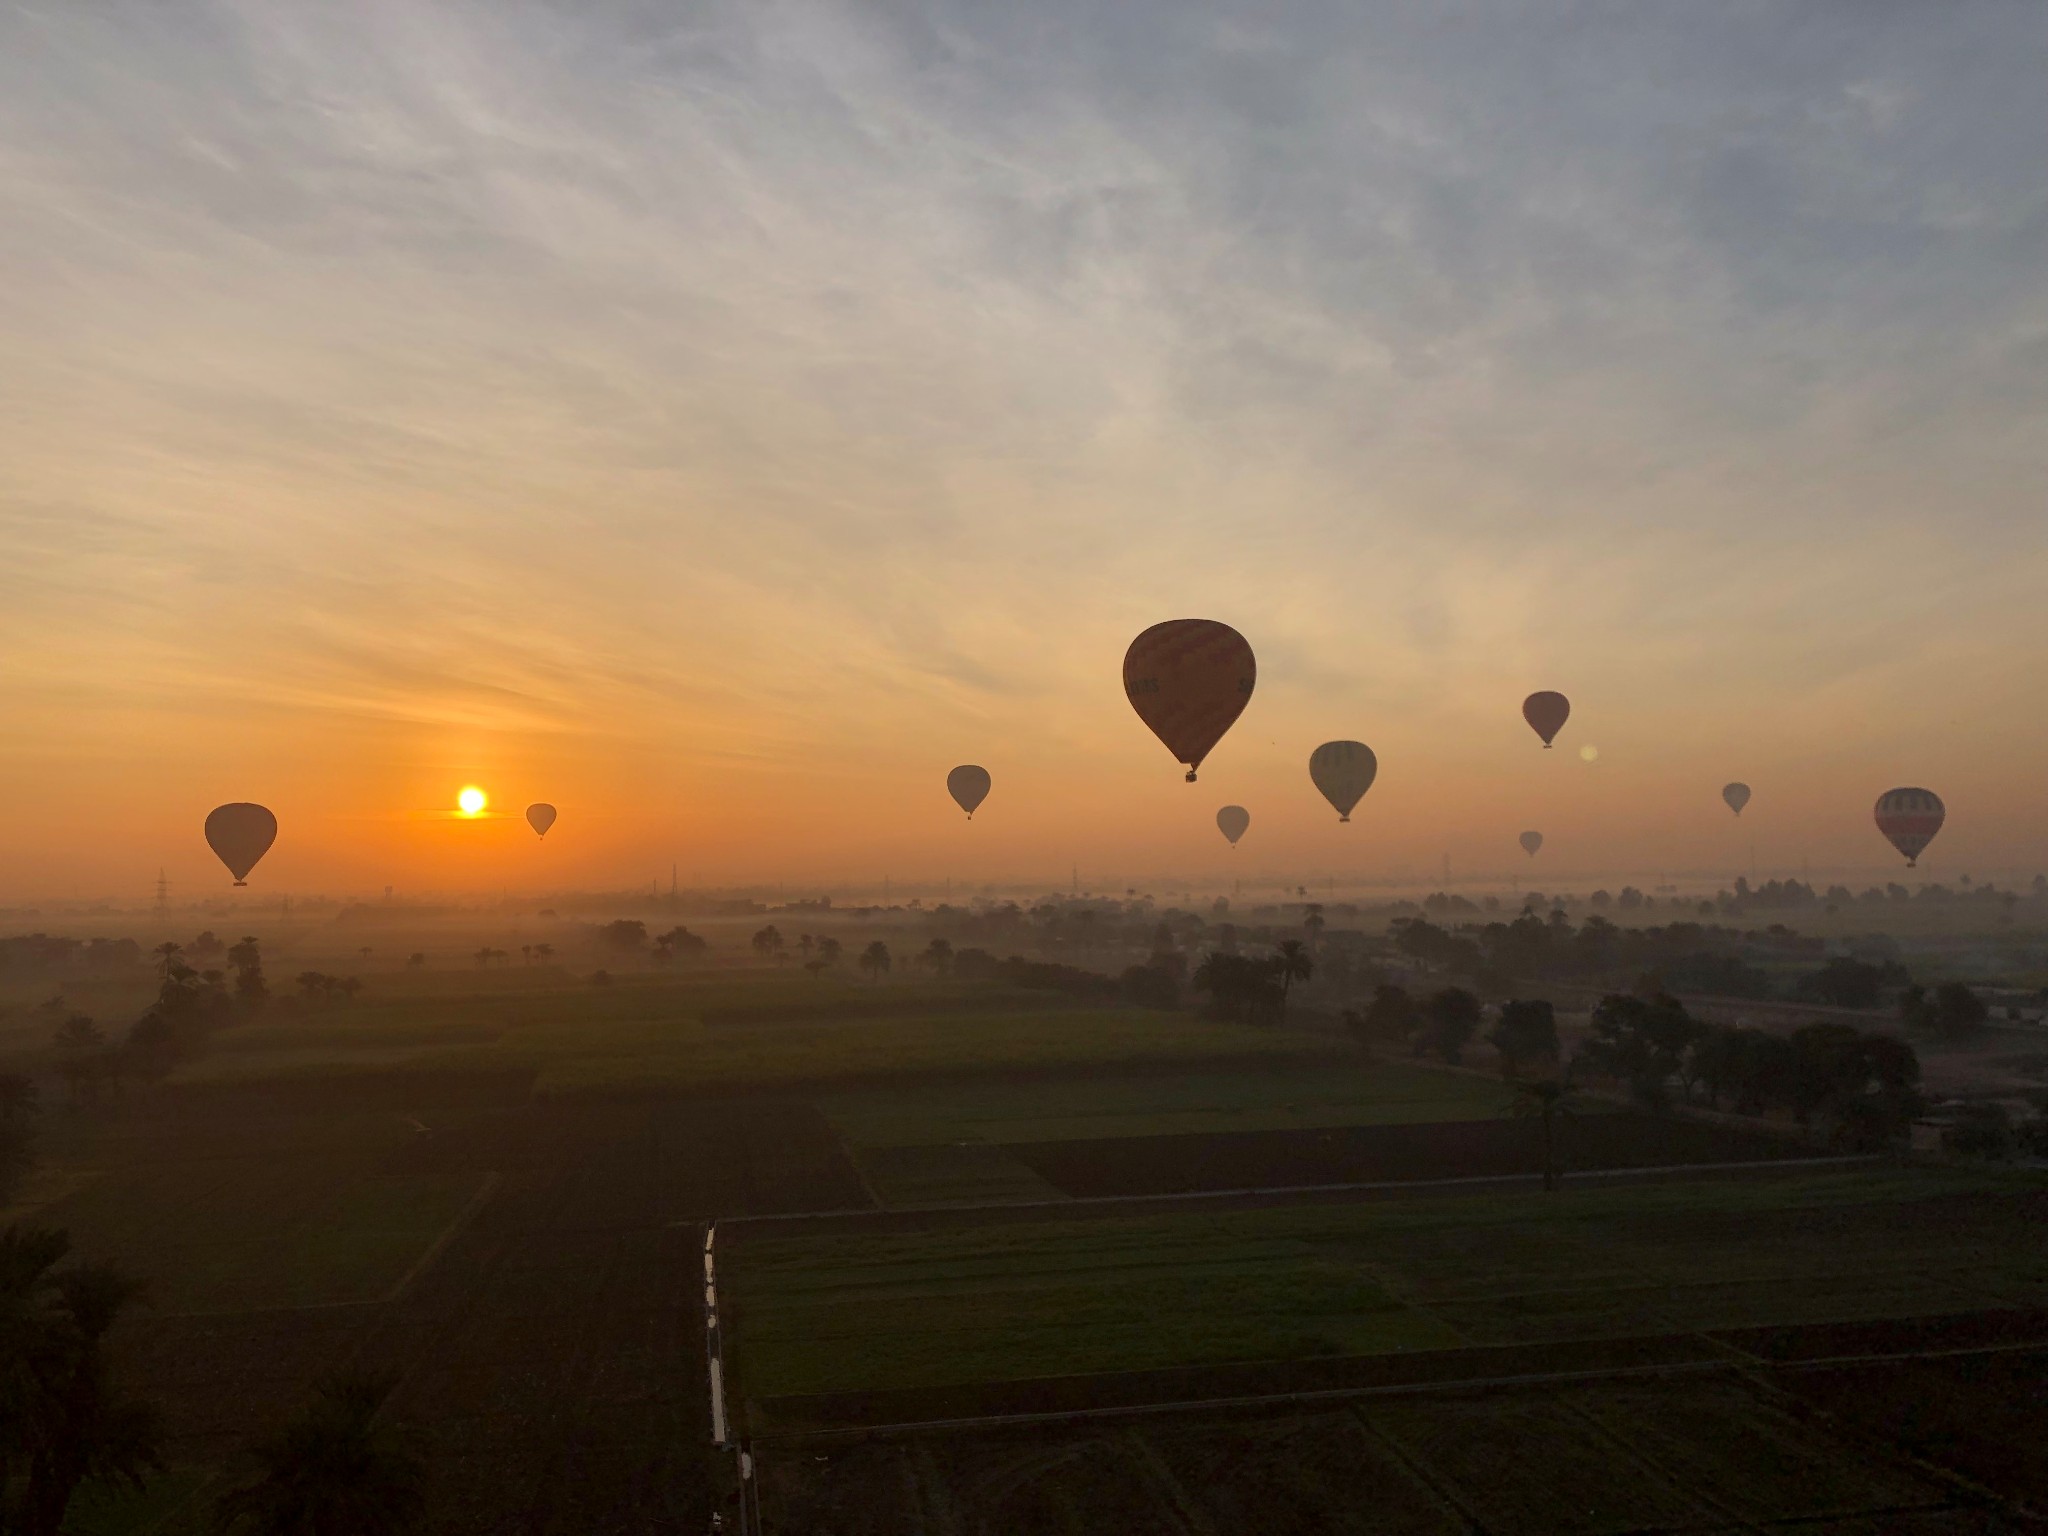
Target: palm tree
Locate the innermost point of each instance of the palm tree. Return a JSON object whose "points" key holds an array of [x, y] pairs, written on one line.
{"points": [[806, 943], [939, 956], [1550, 1100], [1291, 964], [333, 1471], [875, 959], [167, 956], [65, 1424]]}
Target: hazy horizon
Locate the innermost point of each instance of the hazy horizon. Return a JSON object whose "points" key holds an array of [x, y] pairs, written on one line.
{"points": [[720, 429]]}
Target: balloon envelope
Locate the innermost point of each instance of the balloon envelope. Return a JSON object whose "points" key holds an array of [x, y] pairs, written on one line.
{"points": [[1231, 821], [968, 785], [1546, 713], [1531, 841], [1343, 771], [239, 835], [1737, 796], [1910, 818], [1189, 680], [540, 816]]}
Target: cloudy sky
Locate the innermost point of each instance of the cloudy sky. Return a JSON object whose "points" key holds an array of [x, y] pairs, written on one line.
{"points": [[722, 419]]}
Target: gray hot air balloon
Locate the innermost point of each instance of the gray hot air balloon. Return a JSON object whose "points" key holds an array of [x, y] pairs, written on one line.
{"points": [[1546, 713], [1531, 841], [239, 835], [968, 785], [1231, 821], [1343, 771], [540, 816], [1737, 796]]}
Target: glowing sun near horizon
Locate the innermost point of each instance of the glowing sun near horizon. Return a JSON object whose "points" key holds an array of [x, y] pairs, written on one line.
{"points": [[471, 801]]}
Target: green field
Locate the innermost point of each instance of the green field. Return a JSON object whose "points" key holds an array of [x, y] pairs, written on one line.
{"points": [[852, 1312], [651, 1035], [1282, 1096], [283, 1214]]}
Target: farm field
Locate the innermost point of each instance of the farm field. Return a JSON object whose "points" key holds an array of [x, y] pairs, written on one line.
{"points": [[848, 1313], [526, 1267], [500, 1194], [1458, 1149], [654, 1037], [1282, 1095], [1597, 1459]]}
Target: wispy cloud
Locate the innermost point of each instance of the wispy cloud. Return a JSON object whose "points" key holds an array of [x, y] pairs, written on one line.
{"points": [[827, 373]]}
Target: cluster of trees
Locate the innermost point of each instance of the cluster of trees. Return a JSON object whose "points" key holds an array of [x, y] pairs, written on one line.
{"points": [[318, 986], [1552, 948], [629, 936], [1154, 984], [190, 1004], [1441, 1024], [1949, 1010], [1253, 989], [1678, 957], [1988, 1130], [1864, 1084]]}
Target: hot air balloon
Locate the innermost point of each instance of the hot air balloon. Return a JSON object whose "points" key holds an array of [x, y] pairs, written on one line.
{"points": [[1546, 713], [239, 835], [540, 816], [1737, 796], [1231, 821], [1531, 841], [1910, 818], [1189, 680], [1343, 771], [968, 785]]}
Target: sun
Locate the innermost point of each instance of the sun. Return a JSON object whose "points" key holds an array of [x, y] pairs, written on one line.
{"points": [[472, 800]]}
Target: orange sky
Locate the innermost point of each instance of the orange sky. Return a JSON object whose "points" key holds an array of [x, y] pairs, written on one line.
{"points": [[721, 435]]}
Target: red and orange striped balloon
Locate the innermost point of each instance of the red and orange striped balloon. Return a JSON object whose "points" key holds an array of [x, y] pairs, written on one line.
{"points": [[1189, 680], [1909, 818]]}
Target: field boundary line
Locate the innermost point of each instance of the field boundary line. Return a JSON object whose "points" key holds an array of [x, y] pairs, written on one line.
{"points": [[1746, 1365], [435, 1249], [1267, 1192], [1254, 1399]]}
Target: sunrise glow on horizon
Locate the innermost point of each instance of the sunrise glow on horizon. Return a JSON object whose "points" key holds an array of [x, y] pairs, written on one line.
{"points": [[725, 436]]}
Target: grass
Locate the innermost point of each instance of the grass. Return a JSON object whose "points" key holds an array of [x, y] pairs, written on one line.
{"points": [[1287, 1095], [967, 1173], [650, 1034], [255, 1214], [691, 1057], [850, 1312]]}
